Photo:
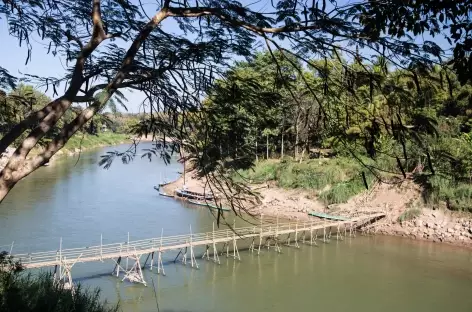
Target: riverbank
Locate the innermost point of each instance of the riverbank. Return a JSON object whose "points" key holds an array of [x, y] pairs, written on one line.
{"points": [[406, 213], [75, 145]]}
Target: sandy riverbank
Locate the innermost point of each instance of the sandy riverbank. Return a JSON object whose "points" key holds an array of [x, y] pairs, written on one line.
{"points": [[437, 225]]}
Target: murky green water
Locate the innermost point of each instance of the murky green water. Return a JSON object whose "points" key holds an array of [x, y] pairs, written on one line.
{"points": [[81, 202]]}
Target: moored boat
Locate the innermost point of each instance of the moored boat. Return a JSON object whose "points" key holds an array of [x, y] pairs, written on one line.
{"points": [[193, 195], [162, 193], [199, 203], [326, 216]]}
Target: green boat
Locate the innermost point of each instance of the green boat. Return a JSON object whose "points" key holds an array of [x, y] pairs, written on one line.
{"points": [[327, 216], [207, 205]]}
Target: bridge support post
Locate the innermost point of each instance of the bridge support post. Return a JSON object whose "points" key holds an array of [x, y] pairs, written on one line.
{"points": [[251, 247], [296, 235], [160, 265], [147, 258], [127, 252], [117, 267], [351, 230], [135, 274], [227, 243], [207, 252], [207, 249], [193, 261], [152, 260], [289, 238], [235, 248], [339, 234], [216, 258], [304, 232], [315, 237], [65, 273], [260, 241], [54, 276], [268, 238], [184, 256]]}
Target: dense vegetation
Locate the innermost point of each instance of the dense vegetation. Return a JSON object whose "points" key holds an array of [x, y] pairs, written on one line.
{"points": [[21, 292], [108, 127], [106, 46], [388, 123]]}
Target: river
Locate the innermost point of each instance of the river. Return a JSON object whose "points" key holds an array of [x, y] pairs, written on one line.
{"points": [[79, 201]]}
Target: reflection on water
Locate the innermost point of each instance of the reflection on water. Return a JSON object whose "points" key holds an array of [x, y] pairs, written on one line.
{"points": [[81, 202]]}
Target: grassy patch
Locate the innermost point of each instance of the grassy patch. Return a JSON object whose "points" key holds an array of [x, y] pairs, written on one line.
{"points": [[457, 195], [90, 141], [262, 172], [409, 214], [341, 175], [341, 192]]}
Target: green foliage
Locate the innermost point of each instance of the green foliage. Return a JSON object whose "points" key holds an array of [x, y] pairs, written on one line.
{"points": [[343, 191], [21, 292], [263, 171], [457, 195], [384, 123], [336, 179]]}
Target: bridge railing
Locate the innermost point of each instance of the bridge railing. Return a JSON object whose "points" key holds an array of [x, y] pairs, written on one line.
{"points": [[153, 244]]}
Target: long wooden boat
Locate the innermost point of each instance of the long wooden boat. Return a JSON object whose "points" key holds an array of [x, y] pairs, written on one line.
{"points": [[193, 195], [326, 216], [199, 203], [162, 193]]}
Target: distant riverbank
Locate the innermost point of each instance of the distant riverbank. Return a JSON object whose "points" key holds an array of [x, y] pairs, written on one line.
{"points": [[76, 144]]}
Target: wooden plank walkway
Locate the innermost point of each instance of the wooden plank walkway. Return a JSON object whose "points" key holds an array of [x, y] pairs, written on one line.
{"points": [[178, 242]]}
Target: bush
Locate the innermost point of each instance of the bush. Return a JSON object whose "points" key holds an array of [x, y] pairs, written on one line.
{"points": [[21, 292], [341, 175], [341, 192], [263, 171], [409, 214], [457, 195]]}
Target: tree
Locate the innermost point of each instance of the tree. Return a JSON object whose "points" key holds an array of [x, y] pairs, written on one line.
{"points": [[175, 71]]}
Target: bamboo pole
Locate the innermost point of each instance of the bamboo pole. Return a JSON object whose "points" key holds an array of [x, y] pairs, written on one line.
{"points": [[127, 252]]}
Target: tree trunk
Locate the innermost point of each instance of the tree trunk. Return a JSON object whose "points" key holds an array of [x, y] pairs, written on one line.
{"points": [[283, 132], [301, 156], [18, 167], [282, 149], [296, 139], [4, 189], [267, 146], [257, 158]]}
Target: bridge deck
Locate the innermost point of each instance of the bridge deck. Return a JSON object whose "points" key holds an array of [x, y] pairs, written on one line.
{"points": [[177, 242]]}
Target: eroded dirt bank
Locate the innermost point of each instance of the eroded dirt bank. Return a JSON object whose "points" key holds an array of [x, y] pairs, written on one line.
{"points": [[402, 203]]}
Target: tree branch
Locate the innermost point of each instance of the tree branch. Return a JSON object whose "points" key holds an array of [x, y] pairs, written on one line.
{"points": [[71, 37], [219, 13]]}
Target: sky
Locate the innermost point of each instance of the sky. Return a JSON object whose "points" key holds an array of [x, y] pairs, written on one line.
{"points": [[43, 64]]}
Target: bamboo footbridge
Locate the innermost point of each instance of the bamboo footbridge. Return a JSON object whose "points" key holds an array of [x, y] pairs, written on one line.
{"points": [[264, 235]]}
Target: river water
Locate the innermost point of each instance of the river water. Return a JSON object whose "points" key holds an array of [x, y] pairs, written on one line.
{"points": [[79, 201]]}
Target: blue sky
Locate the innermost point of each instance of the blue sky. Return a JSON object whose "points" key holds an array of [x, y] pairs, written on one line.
{"points": [[44, 64]]}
